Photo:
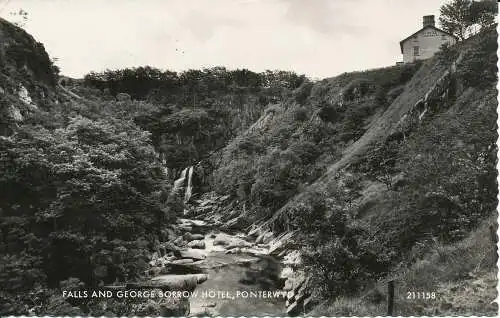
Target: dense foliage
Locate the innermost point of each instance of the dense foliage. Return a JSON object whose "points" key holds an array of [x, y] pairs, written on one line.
{"points": [[80, 201], [295, 141], [436, 185], [458, 17], [199, 110]]}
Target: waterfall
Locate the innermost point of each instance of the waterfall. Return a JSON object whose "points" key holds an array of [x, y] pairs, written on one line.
{"points": [[189, 188], [179, 182]]}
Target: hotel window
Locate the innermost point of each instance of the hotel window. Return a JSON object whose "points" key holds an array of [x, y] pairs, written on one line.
{"points": [[416, 51]]}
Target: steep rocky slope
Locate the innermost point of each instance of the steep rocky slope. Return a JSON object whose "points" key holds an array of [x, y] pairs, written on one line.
{"points": [[380, 161]]}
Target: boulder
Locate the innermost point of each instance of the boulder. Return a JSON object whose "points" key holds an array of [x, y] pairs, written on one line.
{"points": [[232, 224], [172, 282], [190, 253], [264, 238], [123, 97], [161, 307], [235, 250], [174, 307], [178, 241], [182, 261], [191, 237], [230, 241], [292, 259], [170, 247], [185, 228], [288, 285], [200, 244], [187, 267]]}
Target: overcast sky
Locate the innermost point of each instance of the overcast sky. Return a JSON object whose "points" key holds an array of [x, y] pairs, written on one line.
{"points": [[319, 38]]}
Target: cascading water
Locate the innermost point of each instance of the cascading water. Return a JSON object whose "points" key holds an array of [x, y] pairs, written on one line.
{"points": [[179, 182], [189, 188]]}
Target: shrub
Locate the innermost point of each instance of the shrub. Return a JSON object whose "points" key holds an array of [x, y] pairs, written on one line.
{"points": [[479, 65], [300, 114]]}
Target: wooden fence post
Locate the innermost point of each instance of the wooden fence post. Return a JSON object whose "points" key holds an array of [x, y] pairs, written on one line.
{"points": [[390, 298]]}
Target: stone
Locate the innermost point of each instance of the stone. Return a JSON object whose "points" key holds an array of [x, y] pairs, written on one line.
{"points": [[254, 251], [199, 244], [188, 267], [292, 259], [182, 261], [286, 273], [185, 228], [178, 241], [191, 237], [233, 224], [170, 247], [288, 285], [264, 238], [235, 250], [123, 97], [190, 253], [174, 307], [173, 282], [230, 241], [280, 244]]}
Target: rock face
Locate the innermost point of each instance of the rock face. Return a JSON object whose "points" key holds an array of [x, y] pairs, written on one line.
{"points": [[280, 244]]}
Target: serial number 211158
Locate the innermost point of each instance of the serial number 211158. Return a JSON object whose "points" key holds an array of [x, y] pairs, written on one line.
{"points": [[420, 295]]}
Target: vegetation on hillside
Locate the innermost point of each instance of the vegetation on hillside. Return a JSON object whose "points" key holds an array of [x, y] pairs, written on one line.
{"points": [[459, 17], [86, 199], [198, 111]]}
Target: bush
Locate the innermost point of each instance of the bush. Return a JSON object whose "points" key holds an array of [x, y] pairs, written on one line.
{"points": [[300, 114], [78, 203], [335, 253], [479, 65]]}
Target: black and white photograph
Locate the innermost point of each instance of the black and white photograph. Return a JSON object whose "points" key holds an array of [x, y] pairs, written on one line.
{"points": [[248, 158]]}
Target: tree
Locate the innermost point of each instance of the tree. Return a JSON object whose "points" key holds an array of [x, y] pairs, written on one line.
{"points": [[454, 17], [459, 16], [483, 12]]}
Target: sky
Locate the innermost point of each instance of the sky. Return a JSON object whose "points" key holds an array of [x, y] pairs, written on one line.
{"points": [[319, 38]]}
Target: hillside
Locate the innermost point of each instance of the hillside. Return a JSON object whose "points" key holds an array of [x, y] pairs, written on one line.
{"points": [[229, 179], [409, 159]]}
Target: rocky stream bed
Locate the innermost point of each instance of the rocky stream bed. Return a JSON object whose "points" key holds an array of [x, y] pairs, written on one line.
{"points": [[219, 271]]}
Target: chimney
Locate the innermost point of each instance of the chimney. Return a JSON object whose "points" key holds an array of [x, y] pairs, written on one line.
{"points": [[429, 20]]}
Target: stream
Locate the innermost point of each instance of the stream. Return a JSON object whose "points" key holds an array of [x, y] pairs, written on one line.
{"points": [[228, 273], [239, 284]]}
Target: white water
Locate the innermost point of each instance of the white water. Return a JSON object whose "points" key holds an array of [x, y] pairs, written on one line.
{"points": [[189, 188], [179, 182]]}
